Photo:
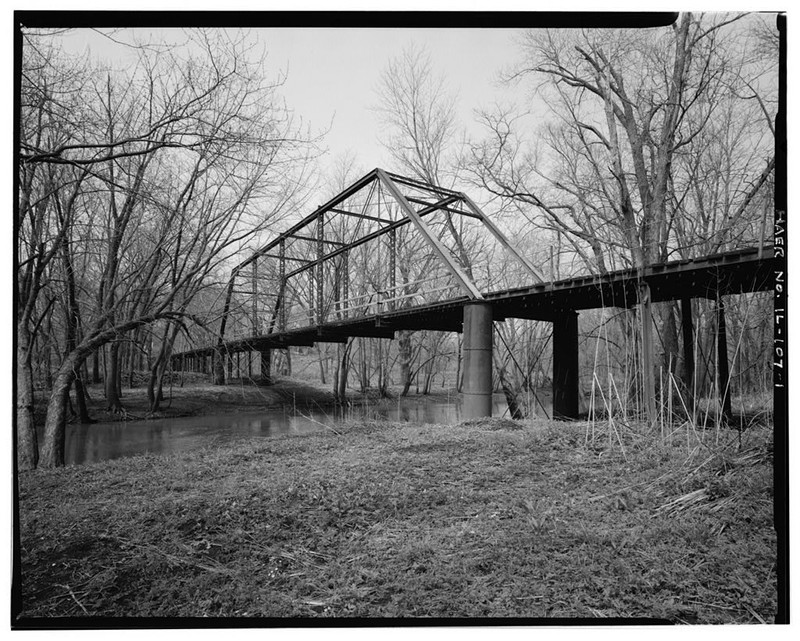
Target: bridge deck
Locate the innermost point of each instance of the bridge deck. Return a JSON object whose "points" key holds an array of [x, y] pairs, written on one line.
{"points": [[729, 273]]}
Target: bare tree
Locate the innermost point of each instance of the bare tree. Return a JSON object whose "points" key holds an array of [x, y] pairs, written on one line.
{"points": [[418, 114], [629, 106], [188, 157]]}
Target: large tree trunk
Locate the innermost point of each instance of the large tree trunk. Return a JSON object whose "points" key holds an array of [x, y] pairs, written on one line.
{"points": [[55, 424], [80, 399], [155, 380], [340, 376], [27, 442]]}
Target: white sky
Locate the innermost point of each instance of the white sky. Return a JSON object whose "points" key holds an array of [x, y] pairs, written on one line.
{"points": [[333, 73]]}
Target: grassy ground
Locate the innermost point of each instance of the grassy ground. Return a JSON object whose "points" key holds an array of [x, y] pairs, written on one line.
{"points": [[486, 519]]}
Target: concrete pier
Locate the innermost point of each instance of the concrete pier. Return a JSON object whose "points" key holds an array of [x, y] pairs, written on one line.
{"points": [[476, 390]]}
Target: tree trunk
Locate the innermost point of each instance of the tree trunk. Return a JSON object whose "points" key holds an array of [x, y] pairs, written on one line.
{"points": [[27, 441], [405, 353], [48, 368], [113, 403], [155, 387], [266, 366], [340, 376], [80, 399], [687, 327], [155, 383], [96, 366], [288, 369], [219, 366], [133, 354], [426, 388], [321, 365], [669, 333], [648, 378], [383, 377], [55, 424], [511, 397], [514, 408], [723, 375]]}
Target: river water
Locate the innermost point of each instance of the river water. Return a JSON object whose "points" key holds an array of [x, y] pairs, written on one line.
{"points": [[103, 441]]}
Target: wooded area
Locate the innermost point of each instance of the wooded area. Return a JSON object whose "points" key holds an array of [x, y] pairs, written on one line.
{"points": [[139, 189]]}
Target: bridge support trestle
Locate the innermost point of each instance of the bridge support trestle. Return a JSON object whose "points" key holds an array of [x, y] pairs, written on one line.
{"points": [[565, 366], [477, 353]]}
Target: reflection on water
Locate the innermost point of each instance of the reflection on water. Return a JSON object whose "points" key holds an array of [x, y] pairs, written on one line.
{"points": [[100, 441]]}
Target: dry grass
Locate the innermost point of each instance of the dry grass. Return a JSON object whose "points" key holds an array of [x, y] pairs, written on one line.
{"points": [[485, 519]]}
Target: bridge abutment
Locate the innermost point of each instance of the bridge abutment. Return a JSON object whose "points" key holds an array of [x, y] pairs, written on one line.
{"points": [[565, 366], [476, 390]]}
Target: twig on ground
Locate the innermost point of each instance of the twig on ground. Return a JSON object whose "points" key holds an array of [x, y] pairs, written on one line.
{"points": [[74, 598], [754, 613]]}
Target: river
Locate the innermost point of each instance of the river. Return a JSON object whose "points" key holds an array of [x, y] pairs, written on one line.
{"points": [[103, 441]]}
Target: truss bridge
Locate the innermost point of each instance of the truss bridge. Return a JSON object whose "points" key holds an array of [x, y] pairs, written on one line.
{"points": [[393, 253]]}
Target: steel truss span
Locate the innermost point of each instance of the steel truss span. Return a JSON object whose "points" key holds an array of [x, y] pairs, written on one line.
{"points": [[393, 253]]}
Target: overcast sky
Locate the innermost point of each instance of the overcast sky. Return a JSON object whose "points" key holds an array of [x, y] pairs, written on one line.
{"points": [[333, 73]]}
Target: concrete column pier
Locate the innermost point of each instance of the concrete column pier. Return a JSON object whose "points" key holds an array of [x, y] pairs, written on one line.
{"points": [[476, 390], [565, 366]]}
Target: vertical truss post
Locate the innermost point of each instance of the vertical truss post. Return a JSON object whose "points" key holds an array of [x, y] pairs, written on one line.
{"points": [[320, 254], [345, 281], [282, 286], [311, 297], [336, 288], [256, 331], [392, 267]]}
